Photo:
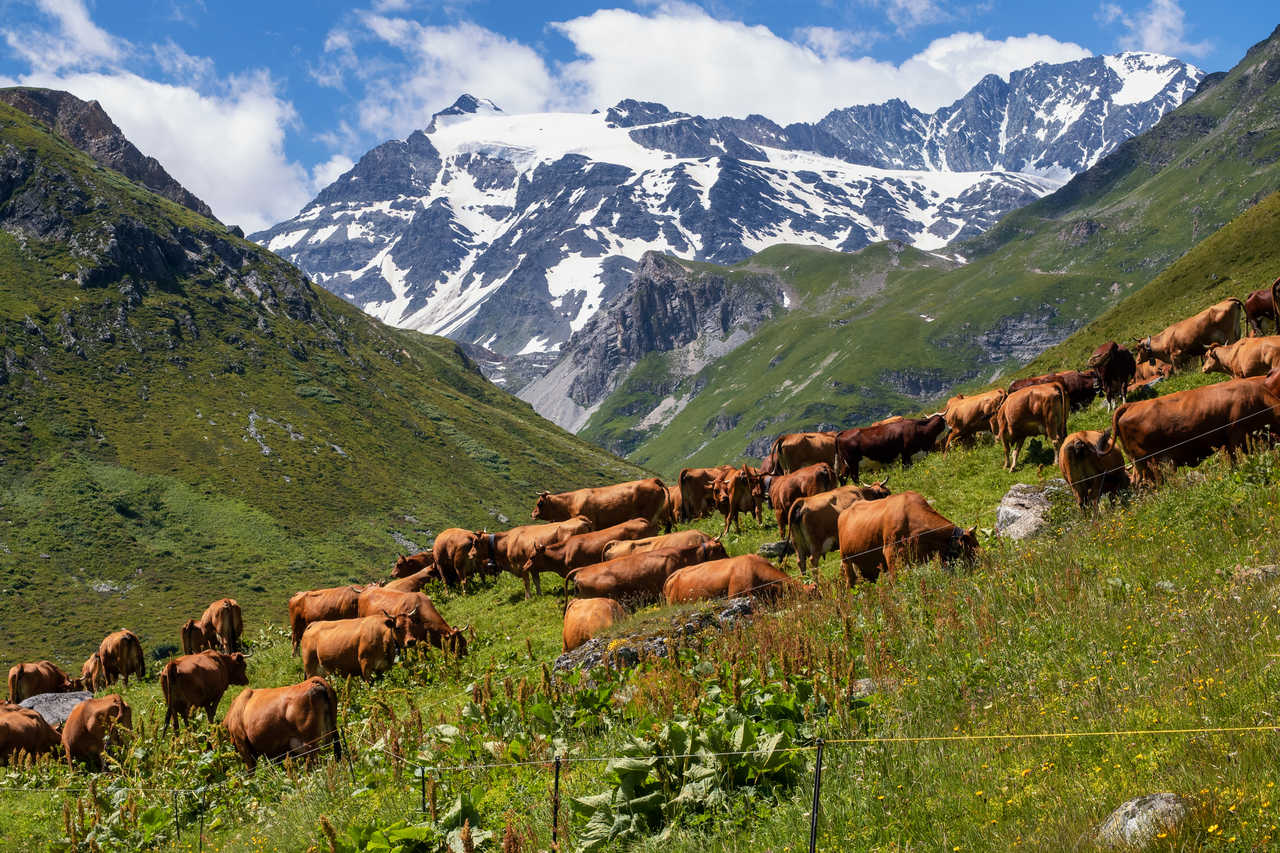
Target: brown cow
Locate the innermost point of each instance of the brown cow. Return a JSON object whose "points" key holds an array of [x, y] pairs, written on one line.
{"points": [[586, 617], [121, 654], [1035, 410], [1246, 357], [275, 722], [452, 555], [1088, 472], [92, 725], [364, 646], [638, 577], [1116, 368], [32, 679], [314, 605], [900, 440], [749, 574], [198, 681], [607, 505], [584, 549], [23, 730], [679, 539], [510, 550], [93, 675], [414, 563], [414, 582], [968, 416], [1187, 339], [427, 622], [1082, 386], [795, 450], [196, 637], [1263, 304], [902, 528], [1186, 427], [224, 617], [739, 491], [789, 488], [697, 490], [674, 514], [815, 519]]}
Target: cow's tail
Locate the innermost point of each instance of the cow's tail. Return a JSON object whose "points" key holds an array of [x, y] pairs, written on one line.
{"points": [[776, 450], [568, 578], [1240, 314], [793, 518], [139, 657], [15, 675], [166, 686], [1108, 440], [1066, 409], [330, 717]]}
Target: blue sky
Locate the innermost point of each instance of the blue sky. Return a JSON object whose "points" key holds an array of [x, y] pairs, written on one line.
{"points": [[255, 106]]}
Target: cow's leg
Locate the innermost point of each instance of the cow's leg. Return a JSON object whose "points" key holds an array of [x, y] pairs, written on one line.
{"points": [[211, 710], [527, 594]]}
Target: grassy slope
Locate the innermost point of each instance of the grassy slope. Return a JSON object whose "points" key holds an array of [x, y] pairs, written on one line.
{"points": [[128, 461]]}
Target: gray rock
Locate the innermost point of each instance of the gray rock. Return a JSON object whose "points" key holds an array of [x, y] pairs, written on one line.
{"points": [[1024, 509], [55, 707], [1135, 824], [775, 550]]}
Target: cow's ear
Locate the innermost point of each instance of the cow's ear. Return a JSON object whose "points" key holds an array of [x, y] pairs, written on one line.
{"points": [[386, 614]]}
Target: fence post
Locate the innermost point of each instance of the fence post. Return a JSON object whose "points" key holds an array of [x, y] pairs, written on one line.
{"points": [[202, 825], [555, 808], [817, 794], [177, 824], [422, 785]]}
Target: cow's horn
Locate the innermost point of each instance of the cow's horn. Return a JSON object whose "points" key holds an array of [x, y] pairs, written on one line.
{"points": [[885, 481], [413, 612]]}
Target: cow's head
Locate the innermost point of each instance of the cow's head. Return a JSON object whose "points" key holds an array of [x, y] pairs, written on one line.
{"points": [[1142, 349], [237, 668], [811, 590], [93, 674], [116, 714], [455, 642], [712, 550], [538, 559], [963, 546], [408, 629], [1213, 361], [542, 507], [875, 491]]}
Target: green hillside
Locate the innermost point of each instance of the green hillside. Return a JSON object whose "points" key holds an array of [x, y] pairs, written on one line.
{"points": [[186, 417]]}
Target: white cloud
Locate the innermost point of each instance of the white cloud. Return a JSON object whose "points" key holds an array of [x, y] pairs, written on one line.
{"points": [[78, 42], [1161, 27], [328, 171]]}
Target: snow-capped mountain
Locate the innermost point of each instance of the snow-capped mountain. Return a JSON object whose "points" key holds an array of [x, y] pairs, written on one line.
{"points": [[511, 231]]}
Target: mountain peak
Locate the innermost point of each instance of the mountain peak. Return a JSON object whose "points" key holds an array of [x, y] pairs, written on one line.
{"points": [[466, 105]]}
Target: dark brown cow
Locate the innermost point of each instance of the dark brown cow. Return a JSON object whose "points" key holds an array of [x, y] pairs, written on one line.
{"points": [[23, 730], [795, 450], [969, 416], [315, 605], [93, 675], [638, 577], [789, 488], [740, 491], [584, 618], [749, 574], [452, 554], [679, 539], [427, 624], [697, 490], [1246, 357], [224, 617], [1036, 410], [1116, 368], [884, 535], [363, 647], [1188, 339], [91, 725], [584, 549], [815, 519], [1081, 387], [275, 722], [1263, 304], [196, 637], [1089, 472], [900, 440], [607, 505], [414, 563], [121, 654], [198, 681], [510, 550], [1186, 427], [32, 679]]}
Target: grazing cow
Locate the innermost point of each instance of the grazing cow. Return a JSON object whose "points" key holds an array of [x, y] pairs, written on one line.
{"points": [[91, 725], [789, 488], [224, 617], [24, 730], [607, 505], [795, 450], [739, 491], [510, 550], [584, 549], [1150, 371], [32, 679], [93, 675], [1089, 472], [1187, 339], [749, 574], [679, 539], [314, 605], [414, 582], [197, 636], [276, 722], [1263, 304], [198, 681], [968, 416], [884, 535], [1116, 368], [1186, 427], [815, 519], [414, 563], [1246, 357], [364, 646], [427, 623], [121, 654], [1035, 410], [1081, 387], [584, 618], [453, 557], [638, 577], [900, 440], [697, 490]]}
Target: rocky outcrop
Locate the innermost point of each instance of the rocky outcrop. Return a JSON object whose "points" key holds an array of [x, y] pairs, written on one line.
{"points": [[55, 707], [1136, 824], [88, 127], [1024, 510]]}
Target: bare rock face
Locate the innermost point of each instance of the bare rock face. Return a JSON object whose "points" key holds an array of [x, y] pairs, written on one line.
{"points": [[1024, 510], [55, 707], [1135, 824]]}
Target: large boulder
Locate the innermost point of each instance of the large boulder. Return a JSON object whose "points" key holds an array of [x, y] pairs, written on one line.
{"points": [[1024, 510], [55, 707], [1135, 824]]}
